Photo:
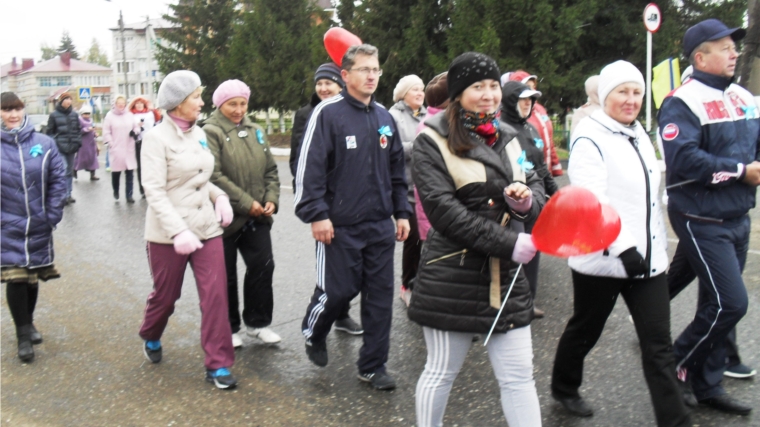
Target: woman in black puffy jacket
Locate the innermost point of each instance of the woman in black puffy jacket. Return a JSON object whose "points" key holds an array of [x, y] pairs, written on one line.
{"points": [[476, 197]]}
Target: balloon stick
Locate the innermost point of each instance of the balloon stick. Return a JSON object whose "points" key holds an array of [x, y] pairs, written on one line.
{"points": [[514, 279]]}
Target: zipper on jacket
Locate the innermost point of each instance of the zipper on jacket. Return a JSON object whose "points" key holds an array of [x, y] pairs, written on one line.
{"points": [[44, 183], [463, 252], [648, 257], [26, 201]]}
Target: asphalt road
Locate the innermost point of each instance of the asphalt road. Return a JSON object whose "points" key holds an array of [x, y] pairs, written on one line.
{"points": [[90, 370]]}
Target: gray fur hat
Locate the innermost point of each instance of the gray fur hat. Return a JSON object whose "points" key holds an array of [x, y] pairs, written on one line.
{"points": [[175, 87]]}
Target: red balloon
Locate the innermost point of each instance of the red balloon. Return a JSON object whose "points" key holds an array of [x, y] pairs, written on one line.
{"points": [[337, 42], [573, 222]]}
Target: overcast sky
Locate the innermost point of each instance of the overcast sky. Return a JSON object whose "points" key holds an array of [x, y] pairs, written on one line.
{"points": [[26, 24]]}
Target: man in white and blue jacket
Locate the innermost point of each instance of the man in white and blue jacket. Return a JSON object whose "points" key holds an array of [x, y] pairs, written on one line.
{"points": [[349, 183], [710, 128]]}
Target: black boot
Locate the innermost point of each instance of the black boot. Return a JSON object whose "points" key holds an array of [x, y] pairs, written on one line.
{"points": [[36, 336], [25, 349]]}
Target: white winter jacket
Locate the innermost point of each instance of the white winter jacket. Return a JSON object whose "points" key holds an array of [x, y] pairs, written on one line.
{"points": [[618, 164]]}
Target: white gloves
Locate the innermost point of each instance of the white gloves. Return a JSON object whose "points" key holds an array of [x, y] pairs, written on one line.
{"points": [[223, 210], [186, 242]]}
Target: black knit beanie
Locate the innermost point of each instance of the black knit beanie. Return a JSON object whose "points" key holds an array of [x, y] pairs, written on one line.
{"points": [[329, 71], [468, 68]]}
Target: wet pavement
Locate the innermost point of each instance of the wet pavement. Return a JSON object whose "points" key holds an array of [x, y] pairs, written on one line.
{"points": [[90, 370]]}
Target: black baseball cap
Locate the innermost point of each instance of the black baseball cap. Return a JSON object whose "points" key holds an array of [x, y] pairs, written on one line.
{"points": [[709, 30]]}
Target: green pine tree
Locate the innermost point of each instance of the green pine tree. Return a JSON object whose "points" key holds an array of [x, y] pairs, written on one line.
{"points": [[274, 52], [199, 41], [67, 45]]}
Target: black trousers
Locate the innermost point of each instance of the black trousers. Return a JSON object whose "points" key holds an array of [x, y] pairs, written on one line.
{"points": [[359, 260], [410, 261], [649, 305], [115, 177], [717, 252], [22, 299], [138, 148], [680, 275], [254, 243]]}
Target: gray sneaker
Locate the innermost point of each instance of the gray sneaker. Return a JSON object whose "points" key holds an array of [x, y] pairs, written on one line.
{"points": [[379, 380]]}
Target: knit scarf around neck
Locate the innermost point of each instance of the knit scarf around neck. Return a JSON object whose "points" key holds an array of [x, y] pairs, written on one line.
{"points": [[481, 125]]}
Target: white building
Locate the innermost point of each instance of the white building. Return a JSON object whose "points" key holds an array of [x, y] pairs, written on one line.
{"points": [[142, 75], [38, 85]]}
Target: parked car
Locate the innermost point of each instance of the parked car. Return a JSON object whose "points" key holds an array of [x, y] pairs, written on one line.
{"points": [[39, 121]]}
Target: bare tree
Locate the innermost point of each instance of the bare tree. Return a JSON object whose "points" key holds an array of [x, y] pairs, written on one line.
{"points": [[751, 47]]}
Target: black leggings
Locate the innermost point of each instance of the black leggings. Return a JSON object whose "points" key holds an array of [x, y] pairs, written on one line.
{"points": [[22, 298]]}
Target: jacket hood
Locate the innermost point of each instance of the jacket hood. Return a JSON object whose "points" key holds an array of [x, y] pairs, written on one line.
{"points": [[131, 105], [521, 76], [510, 95], [23, 133]]}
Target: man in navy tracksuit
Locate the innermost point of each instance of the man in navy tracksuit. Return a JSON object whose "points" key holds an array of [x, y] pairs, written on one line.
{"points": [[710, 129], [349, 183]]}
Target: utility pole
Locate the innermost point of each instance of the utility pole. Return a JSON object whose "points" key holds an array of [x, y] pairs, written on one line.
{"points": [[123, 56]]}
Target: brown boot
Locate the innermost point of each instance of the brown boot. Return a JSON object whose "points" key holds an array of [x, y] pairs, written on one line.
{"points": [[93, 177]]}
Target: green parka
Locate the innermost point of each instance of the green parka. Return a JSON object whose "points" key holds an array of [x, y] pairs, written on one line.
{"points": [[243, 166]]}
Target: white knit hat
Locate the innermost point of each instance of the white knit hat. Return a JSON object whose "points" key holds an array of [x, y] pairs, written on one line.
{"points": [[175, 87], [405, 84], [615, 74], [85, 109]]}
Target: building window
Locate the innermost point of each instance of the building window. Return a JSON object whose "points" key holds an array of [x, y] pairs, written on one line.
{"points": [[128, 67], [121, 88], [54, 81]]}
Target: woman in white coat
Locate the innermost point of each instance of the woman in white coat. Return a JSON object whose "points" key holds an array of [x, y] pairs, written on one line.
{"points": [[612, 156]]}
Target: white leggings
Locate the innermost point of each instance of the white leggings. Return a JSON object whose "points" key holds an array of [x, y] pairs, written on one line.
{"points": [[511, 357]]}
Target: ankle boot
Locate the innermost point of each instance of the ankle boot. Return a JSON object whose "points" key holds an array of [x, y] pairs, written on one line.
{"points": [[93, 177], [35, 336], [25, 349]]}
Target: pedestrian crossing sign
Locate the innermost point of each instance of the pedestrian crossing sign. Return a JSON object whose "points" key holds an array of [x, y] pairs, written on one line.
{"points": [[84, 93]]}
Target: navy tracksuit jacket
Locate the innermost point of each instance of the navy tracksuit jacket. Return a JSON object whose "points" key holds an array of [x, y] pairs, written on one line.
{"points": [[710, 129], [351, 171]]}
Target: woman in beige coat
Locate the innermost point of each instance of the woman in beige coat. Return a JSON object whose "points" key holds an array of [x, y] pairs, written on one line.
{"points": [[183, 224]]}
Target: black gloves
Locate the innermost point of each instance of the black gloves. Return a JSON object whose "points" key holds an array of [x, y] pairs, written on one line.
{"points": [[633, 262]]}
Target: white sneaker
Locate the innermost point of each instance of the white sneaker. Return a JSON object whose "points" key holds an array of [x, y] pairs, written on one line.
{"points": [[237, 342], [266, 335]]}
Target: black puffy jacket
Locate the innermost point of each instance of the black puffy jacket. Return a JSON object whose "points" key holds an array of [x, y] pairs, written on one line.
{"points": [[527, 134], [299, 125], [63, 126], [463, 199]]}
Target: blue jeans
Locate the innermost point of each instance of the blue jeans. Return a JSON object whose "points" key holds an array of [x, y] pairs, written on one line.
{"points": [[68, 162]]}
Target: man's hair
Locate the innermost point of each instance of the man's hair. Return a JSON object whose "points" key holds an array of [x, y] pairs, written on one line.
{"points": [[9, 101], [703, 47], [350, 56]]}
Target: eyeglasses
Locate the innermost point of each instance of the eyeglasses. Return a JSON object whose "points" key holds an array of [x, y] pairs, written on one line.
{"points": [[366, 71]]}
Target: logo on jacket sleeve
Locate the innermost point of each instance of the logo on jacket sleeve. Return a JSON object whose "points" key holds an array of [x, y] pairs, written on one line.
{"points": [[350, 142], [670, 132], [385, 132]]}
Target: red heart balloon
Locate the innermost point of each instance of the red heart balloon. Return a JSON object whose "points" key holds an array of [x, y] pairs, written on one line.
{"points": [[573, 222], [337, 42]]}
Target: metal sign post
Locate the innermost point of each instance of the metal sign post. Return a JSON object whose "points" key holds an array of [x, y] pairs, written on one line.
{"points": [[652, 20]]}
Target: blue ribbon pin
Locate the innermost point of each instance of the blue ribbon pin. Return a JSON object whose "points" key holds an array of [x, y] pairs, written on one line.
{"points": [[750, 111], [524, 163], [260, 136], [203, 143], [539, 143], [35, 151], [385, 130]]}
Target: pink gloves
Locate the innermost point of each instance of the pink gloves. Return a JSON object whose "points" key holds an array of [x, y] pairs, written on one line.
{"points": [[524, 250], [186, 242], [223, 210]]}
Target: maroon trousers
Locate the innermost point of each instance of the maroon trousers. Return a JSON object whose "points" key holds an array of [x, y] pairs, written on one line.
{"points": [[168, 270]]}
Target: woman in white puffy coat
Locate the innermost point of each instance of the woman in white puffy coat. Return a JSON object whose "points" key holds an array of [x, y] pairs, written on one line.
{"points": [[612, 156]]}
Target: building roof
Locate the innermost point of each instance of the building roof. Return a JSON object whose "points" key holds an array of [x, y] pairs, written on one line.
{"points": [[59, 64], [13, 68]]}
